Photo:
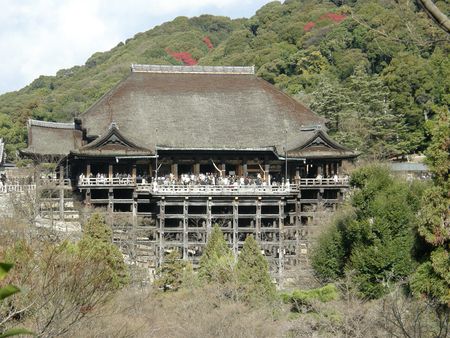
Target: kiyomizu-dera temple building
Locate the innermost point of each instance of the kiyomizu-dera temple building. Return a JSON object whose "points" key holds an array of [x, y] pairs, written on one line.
{"points": [[174, 150]]}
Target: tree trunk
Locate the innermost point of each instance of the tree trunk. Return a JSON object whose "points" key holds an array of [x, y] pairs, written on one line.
{"points": [[436, 14]]}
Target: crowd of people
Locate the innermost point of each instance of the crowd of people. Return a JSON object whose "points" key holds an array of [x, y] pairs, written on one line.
{"points": [[212, 179], [103, 178], [202, 179]]}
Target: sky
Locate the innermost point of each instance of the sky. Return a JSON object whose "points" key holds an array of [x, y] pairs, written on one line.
{"points": [[39, 37]]}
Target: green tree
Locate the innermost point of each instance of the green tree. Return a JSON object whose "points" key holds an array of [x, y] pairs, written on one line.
{"points": [[375, 239], [252, 271], [172, 272], [432, 278], [328, 256], [217, 261], [96, 245]]}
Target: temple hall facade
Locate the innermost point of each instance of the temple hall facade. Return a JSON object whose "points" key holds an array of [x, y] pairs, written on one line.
{"points": [[171, 151]]}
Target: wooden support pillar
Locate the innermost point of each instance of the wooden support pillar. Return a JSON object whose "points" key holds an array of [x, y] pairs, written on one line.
{"points": [[298, 222], [133, 171], [267, 171], [339, 168], [297, 175], [150, 170], [61, 193], [223, 169], [185, 227], [245, 169], [280, 241], [110, 206], [110, 171], [162, 218], [319, 169], [258, 219], [341, 196], [320, 195], [208, 217], [88, 197], [134, 208], [61, 203], [88, 170], [174, 170], [196, 168], [61, 174], [235, 226]]}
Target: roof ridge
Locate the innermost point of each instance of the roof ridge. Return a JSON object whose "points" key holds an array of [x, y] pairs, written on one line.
{"points": [[141, 68], [47, 124]]}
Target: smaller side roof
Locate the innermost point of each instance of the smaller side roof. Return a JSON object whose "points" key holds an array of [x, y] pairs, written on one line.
{"points": [[314, 142], [112, 143], [52, 138]]}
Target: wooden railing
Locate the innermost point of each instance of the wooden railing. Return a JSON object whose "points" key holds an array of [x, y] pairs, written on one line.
{"points": [[324, 181], [177, 189], [106, 181], [17, 188], [171, 188]]}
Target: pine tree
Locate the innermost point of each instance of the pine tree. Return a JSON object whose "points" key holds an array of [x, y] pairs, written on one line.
{"points": [[96, 228], [171, 272], [252, 272], [217, 261], [359, 115], [96, 245]]}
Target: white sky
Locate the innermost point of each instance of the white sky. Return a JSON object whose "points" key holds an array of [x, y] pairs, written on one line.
{"points": [[39, 37]]}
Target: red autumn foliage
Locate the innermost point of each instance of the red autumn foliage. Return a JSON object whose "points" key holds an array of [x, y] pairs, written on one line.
{"points": [[309, 26], [333, 17], [208, 42], [184, 57]]}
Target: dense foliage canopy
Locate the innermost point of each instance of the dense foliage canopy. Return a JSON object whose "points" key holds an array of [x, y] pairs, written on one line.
{"points": [[374, 241]]}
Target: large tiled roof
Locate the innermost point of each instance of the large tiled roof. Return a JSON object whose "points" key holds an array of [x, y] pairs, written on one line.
{"points": [[189, 108], [203, 108]]}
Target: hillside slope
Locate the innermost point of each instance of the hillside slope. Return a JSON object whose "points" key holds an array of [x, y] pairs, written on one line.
{"points": [[376, 70]]}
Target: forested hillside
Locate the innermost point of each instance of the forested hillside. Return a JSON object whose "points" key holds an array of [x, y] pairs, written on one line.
{"points": [[377, 69]]}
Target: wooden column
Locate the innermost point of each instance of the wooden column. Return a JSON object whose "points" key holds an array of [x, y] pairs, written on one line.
{"points": [[239, 170], [162, 218], [150, 170], [134, 208], [88, 170], [133, 171], [297, 175], [267, 170], [174, 170], [208, 217], [298, 222], [196, 168], [280, 241], [223, 168], [88, 197], [258, 219], [245, 169], [110, 171], [61, 193], [339, 168], [235, 226], [185, 227], [110, 206]]}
